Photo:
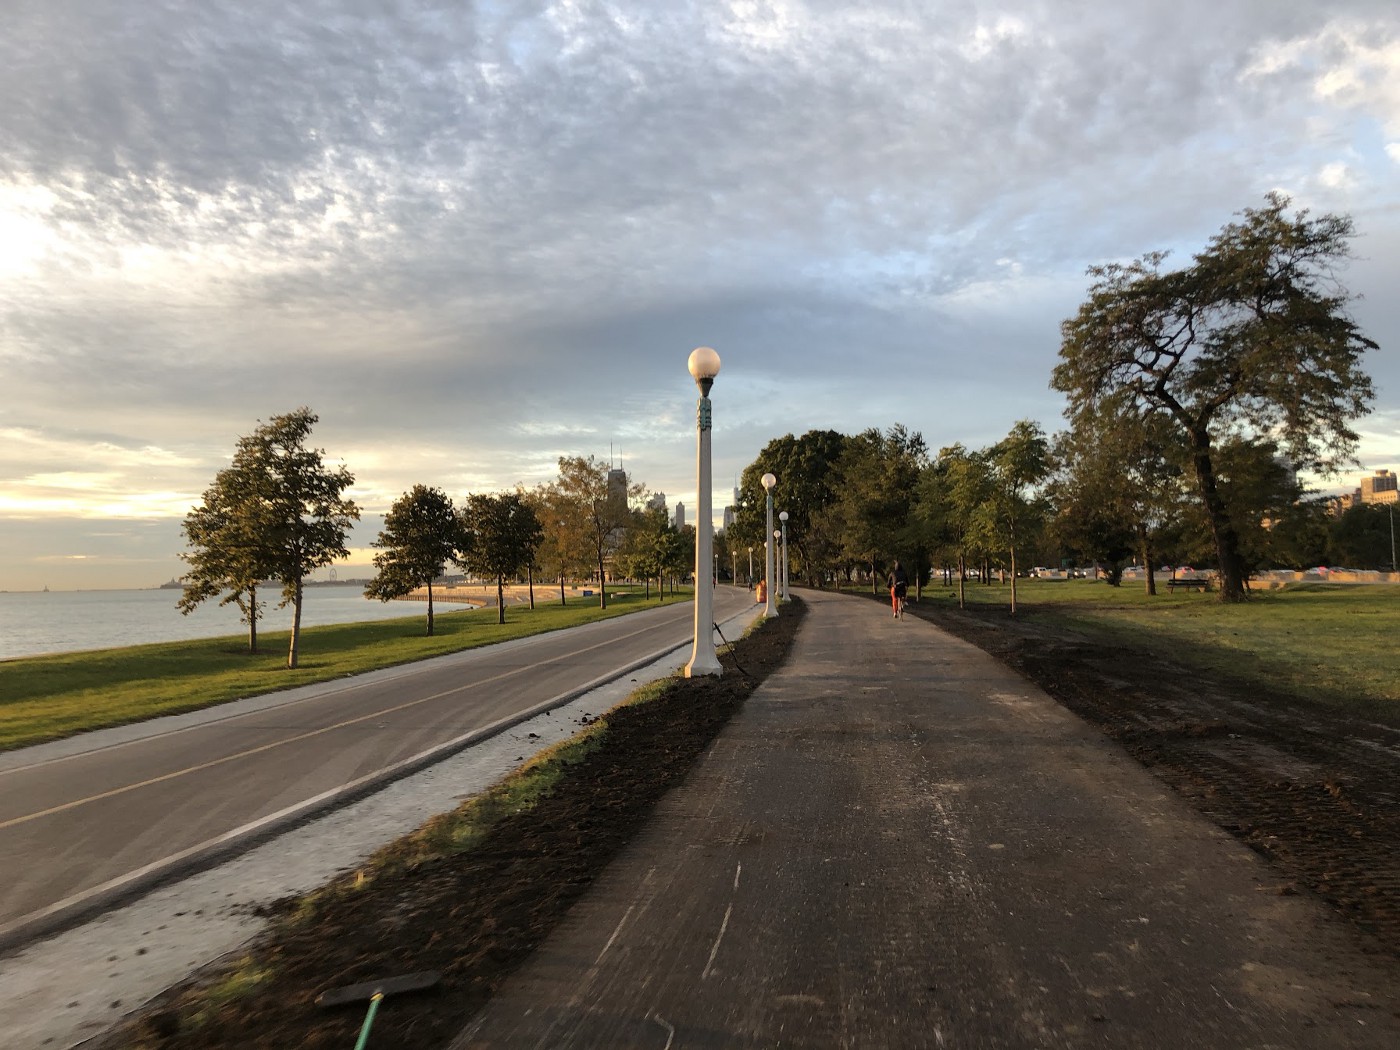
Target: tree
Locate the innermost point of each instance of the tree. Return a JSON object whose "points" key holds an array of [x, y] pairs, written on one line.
{"points": [[287, 514], [420, 536], [1252, 340], [806, 471], [876, 479], [227, 550], [951, 491], [499, 536], [1118, 486], [1010, 508], [595, 510], [647, 551], [1363, 537]]}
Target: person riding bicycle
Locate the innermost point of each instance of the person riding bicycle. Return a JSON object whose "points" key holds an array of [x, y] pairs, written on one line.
{"points": [[899, 587]]}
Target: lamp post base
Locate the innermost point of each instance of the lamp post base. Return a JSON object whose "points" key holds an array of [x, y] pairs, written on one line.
{"points": [[703, 667]]}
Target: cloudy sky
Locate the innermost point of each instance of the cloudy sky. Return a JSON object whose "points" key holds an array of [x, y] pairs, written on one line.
{"points": [[475, 237]]}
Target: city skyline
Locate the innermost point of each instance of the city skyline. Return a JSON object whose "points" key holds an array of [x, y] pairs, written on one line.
{"points": [[475, 240]]}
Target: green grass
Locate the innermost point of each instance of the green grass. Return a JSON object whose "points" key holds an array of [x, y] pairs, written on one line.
{"points": [[1321, 642], [48, 697]]}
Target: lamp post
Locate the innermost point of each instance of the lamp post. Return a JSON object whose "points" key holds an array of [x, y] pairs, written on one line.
{"points": [[750, 566], [704, 366], [769, 555], [783, 518], [1391, 507]]}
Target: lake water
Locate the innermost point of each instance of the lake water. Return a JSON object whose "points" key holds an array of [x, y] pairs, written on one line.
{"points": [[66, 621]]}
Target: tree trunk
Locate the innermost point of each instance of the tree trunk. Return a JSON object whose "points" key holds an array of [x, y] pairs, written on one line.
{"points": [[500, 598], [430, 608], [962, 581], [1013, 581], [1147, 554], [1227, 543], [602, 583], [296, 627], [530, 578], [253, 618]]}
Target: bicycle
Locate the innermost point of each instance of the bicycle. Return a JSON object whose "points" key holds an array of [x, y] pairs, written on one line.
{"points": [[897, 598]]}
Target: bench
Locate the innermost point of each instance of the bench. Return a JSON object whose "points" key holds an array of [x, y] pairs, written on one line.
{"points": [[1189, 583]]}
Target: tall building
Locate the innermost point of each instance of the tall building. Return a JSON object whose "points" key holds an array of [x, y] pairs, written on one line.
{"points": [[728, 517], [679, 520], [617, 486], [657, 501], [1380, 487]]}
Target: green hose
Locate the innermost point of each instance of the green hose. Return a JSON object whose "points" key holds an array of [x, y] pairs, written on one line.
{"points": [[369, 1020]]}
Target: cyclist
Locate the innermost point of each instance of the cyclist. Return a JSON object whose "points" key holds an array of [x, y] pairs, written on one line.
{"points": [[899, 587]]}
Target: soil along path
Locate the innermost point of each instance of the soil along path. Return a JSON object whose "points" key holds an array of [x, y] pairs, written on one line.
{"points": [[898, 842], [474, 917]]}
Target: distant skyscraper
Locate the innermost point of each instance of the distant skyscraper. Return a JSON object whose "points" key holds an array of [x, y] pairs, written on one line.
{"points": [[680, 516], [657, 501], [617, 487], [728, 517]]}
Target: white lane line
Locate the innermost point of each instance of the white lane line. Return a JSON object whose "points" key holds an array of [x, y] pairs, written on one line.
{"points": [[738, 869], [715, 950], [617, 930]]}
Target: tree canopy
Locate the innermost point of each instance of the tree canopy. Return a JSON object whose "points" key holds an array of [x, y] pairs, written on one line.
{"points": [[278, 512], [421, 534], [1250, 341], [499, 537]]}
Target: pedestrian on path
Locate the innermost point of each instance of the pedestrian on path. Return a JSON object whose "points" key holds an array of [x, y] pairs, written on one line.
{"points": [[899, 587]]}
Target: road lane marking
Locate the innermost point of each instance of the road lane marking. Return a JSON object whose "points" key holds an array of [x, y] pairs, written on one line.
{"points": [[200, 767], [715, 950]]}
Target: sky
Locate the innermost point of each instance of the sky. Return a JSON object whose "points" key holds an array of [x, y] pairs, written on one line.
{"points": [[476, 237]]}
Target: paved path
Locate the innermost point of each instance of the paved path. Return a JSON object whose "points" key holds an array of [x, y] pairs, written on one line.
{"points": [[86, 820], [899, 843]]}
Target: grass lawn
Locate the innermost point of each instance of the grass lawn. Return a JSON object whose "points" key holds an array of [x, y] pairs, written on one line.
{"points": [[47, 697], [1322, 642]]}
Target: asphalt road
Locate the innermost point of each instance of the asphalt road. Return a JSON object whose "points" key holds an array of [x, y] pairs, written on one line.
{"points": [[85, 821], [898, 842]]}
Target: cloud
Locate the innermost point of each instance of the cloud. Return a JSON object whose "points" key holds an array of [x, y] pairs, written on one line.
{"points": [[476, 237]]}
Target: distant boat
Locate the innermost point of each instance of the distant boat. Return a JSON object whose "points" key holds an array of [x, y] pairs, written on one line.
{"points": [[173, 585]]}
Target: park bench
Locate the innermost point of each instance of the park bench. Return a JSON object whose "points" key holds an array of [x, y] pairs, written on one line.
{"points": [[1189, 583]]}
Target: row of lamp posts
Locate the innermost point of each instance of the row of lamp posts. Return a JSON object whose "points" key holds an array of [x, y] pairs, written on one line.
{"points": [[704, 366]]}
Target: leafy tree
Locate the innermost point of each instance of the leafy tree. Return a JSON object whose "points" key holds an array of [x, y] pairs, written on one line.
{"points": [[1118, 486], [1011, 508], [563, 541], [645, 551], [1275, 522], [289, 514], [1363, 537], [876, 479], [1251, 340], [499, 536], [594, 511], [420, 536], [806, 471], [228, 552], [951, 492]]}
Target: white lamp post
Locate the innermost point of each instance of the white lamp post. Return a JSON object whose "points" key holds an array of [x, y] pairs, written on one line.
{"points": [[769, 555], [783, 518], [704, 366]]}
